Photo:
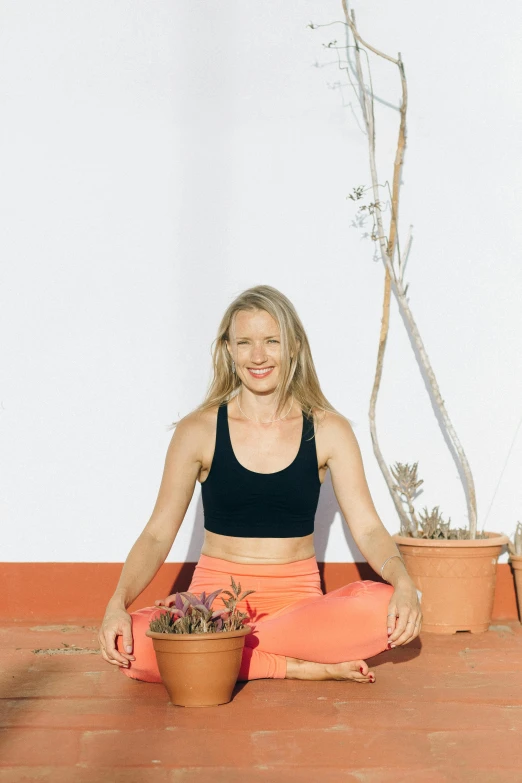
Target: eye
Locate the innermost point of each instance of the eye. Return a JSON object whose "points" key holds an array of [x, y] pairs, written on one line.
{"points": [[273, 341]]}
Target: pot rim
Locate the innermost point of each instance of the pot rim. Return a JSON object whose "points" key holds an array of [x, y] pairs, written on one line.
{"points": [[197, 637], [494, 539]]}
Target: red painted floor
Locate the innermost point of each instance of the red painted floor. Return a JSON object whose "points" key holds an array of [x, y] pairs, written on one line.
{"points": [[444, 708]]}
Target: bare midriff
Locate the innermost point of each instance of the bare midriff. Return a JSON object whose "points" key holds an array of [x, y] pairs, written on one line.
{"points": [[258, 550]]}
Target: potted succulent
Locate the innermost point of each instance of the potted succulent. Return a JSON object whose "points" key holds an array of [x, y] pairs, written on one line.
{"points": [[515, 556], [455, 574], [199, 649]]}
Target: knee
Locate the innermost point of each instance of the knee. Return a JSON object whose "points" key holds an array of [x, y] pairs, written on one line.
{"points": [[371, 604], [379, 596], [367, 588], [379, 589], [377, 599]]}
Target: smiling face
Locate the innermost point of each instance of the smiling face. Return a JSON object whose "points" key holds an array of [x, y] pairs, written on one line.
{"points": [[255, 347]]}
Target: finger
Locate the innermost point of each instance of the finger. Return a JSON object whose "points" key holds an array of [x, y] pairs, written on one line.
{"points": [[102, 643], [109, 660], [120, 644], [111, 648], [409, 632], [414, 633], [104, 653], [400, 628], [406, 636], [127, 640], [391, 618], [417, 627], [397, 625]]}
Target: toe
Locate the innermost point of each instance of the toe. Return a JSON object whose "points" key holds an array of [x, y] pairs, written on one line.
{"points": [[364, 673]]}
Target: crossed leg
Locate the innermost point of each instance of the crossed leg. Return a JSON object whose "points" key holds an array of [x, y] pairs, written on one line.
{"points": [[338, 628]]}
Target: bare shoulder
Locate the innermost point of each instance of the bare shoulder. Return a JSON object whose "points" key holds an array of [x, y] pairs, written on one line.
{"points": [[333, 432], [331, 423], [198, 423]]}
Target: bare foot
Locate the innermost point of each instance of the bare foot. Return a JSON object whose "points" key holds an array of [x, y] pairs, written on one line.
{"points": [[358, 671]]}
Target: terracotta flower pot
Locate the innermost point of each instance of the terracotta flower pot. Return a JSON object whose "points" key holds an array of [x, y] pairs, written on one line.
{"points": [[199, 669], [516, 562], [456, 578]]}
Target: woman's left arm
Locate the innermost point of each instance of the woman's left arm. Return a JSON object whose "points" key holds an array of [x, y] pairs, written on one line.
{"points": [[370, 535]]}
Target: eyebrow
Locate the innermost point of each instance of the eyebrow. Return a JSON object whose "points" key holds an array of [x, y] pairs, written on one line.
{"points": [[270, 337]]}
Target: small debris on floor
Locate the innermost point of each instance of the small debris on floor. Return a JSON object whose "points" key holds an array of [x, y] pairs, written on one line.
{"points": [[63, 628], [67, 649]]}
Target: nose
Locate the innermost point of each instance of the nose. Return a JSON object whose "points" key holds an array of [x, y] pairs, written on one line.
{"points": [[258, 354]]}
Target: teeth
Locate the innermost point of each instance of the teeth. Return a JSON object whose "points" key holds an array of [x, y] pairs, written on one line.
{"points": [[260, 372]]}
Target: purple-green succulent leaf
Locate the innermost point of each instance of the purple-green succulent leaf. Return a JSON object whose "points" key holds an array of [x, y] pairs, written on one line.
{"points": [[191, 599], [212, 596], [202, 609]]}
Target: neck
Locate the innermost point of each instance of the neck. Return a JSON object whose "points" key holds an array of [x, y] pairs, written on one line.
{"points": [[261, 408]]}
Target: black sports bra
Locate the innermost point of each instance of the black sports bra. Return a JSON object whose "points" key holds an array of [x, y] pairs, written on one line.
{"points": [[240, 502]]}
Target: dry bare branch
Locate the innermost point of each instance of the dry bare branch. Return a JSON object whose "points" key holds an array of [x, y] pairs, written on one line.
{"points": [[395, 281]]}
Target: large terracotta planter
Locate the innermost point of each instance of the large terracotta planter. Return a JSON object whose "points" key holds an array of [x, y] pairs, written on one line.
{"points": [[516, 562], [199, 669], [456, 578]]}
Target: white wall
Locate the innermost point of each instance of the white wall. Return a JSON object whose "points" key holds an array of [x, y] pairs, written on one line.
{"points": [[158, 158]]}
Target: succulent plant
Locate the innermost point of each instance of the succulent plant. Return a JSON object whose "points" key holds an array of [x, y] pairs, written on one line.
{"points": [[194, 614], [427, 524]]}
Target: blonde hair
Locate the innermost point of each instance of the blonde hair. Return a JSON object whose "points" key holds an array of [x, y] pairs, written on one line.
{"points": [[298, 376]]}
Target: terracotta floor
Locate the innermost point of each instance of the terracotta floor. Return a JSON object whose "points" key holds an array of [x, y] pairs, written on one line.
{"points": [[445, 708]]}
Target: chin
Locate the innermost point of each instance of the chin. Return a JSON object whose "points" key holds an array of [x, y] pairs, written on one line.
{"points": [[262, 386]]}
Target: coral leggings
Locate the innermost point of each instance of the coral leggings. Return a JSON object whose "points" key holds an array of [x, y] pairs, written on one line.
{"points": [[289, 616]]}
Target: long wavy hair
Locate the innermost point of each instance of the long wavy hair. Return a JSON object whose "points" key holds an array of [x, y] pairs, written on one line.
{"points": [[298, 376]]}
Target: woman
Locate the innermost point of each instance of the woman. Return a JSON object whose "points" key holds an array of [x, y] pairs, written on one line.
{"points": [[260, 444]]}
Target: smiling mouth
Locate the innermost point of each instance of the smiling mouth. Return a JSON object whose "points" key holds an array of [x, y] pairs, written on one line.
{"points": [[261, 372]]}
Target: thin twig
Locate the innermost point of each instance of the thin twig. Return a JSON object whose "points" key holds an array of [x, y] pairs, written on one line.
{"points": [[387, 250]]}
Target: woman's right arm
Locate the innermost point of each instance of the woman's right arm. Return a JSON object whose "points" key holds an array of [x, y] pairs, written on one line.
{"points": [[182, 466]]}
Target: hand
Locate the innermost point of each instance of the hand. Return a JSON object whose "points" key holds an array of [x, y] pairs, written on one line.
{"points": [[117, 622], [406, 616]]}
